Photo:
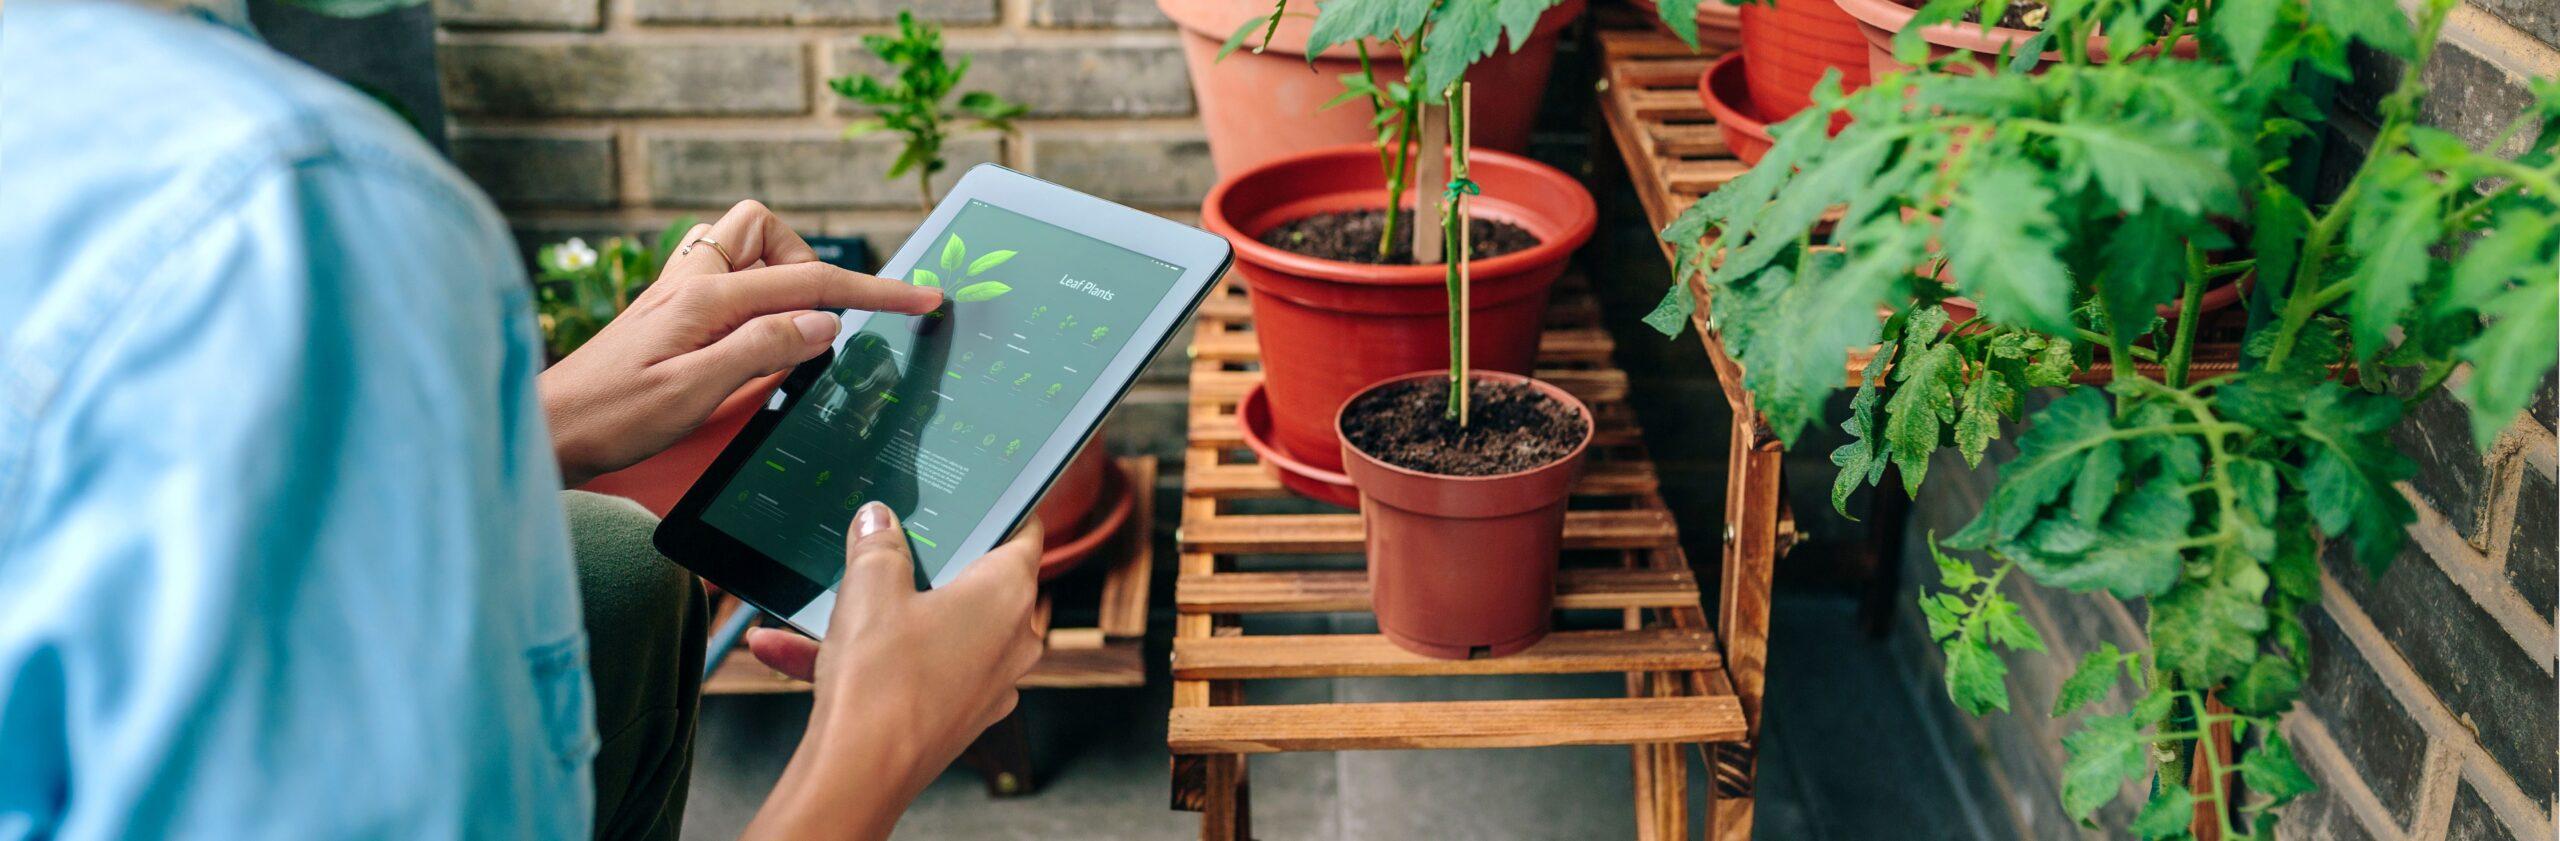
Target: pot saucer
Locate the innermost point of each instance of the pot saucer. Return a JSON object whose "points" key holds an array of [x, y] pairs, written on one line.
{"points": [[1110, 517], [1319, 484]]}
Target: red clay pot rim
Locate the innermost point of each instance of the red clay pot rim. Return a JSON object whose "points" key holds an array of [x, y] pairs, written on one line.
{"points": [[1058, 559], [1589, 426], [1202, 18], [1258, 438], [1890, 16], [1738, 115], [1581, 217]]}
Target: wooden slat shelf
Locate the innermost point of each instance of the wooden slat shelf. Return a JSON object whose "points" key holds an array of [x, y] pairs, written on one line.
{"points": [[1442, 725], [1345, 591], [1371, 655], [1624, 567]]}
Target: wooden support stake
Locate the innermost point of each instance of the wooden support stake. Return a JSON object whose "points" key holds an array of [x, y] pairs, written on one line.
{"points": [[1430, 173]]}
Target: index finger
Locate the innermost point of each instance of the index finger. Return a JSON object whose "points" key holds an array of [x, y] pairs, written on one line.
{"points": [[808, 286]]}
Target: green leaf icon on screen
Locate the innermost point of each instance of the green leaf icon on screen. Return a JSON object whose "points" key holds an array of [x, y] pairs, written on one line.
{"points": [[989, 260], [924, 277], [953, 252], [980, 291]]}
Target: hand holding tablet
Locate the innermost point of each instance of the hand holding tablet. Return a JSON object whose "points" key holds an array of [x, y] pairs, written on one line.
{"points": [[957, 420]]}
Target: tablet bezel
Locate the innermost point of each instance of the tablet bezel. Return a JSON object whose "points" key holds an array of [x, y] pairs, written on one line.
{"points": [[768, 584]]}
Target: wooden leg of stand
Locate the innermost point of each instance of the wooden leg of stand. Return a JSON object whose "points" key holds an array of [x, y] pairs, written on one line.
{"points": [[1228, 814], [1002, 756], [1730, 768]]}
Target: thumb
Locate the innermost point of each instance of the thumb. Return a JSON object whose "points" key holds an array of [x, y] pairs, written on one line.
{"points": [[767, 344]]}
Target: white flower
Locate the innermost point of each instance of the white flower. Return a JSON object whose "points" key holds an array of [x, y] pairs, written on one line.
{"points": [[574, 255]]}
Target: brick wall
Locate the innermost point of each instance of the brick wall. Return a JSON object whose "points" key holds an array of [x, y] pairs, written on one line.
{"points": [[593, 117], [2430, 710]]}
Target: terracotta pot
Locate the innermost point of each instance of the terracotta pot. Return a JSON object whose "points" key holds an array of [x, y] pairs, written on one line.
{"points": [[1465, 564], [1329, 328], [1880, 20], [1728, 99], [1719, 24], [1960, 307], [660, 480], [1791, 45], [1084, 510], [1259, 107]]}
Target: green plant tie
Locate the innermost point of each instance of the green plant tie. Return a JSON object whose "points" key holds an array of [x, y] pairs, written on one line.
{"points": [[1458, 186]]}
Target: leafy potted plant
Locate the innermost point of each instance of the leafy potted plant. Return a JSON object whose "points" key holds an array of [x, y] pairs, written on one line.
{"points": [[1267, 101], [1463, 478], [1090, 500], [1326, 240], [2071, 205]]}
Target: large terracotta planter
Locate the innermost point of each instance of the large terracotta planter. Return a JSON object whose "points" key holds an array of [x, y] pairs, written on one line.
{"points": [[1719, 24], [1462, 565], [660, 480], [1791, 45], [1329, 328], [1259, 107], [1085, 508], [1880, 20]]}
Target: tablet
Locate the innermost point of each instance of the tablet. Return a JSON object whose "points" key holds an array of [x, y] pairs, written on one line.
{"points": [[960, 420]]}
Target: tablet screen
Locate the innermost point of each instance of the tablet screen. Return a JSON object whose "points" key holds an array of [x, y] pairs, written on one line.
{"points": [[937, 416]]}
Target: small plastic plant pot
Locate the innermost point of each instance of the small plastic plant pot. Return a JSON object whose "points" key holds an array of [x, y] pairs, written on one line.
{"points": [[1259, 107], [659, 481], [1326, 486], [1790, 44], [1728, 99], [1880, 20], [1465, 566], [1719, 24], [1328, 328]]}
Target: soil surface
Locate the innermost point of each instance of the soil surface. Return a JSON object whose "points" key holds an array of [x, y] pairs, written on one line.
{"points": [[2014, 18], [1351, 236], [1511, 427]]}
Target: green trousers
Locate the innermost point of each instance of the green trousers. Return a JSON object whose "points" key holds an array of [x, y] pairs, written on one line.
{"points": [[646, 626]]}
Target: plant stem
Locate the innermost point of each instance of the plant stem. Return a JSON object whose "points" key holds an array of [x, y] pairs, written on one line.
{"points": [[924, 188], [2183, 348]]}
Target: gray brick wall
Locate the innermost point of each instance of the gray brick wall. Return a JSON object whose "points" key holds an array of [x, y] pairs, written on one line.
{"points": [[2430, 712]]}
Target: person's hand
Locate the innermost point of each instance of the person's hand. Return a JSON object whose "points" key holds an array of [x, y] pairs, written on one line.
{"points": [[904, 681], [706, 327]]}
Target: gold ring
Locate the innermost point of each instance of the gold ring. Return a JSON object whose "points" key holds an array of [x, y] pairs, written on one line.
{"points": [[715, 246]]}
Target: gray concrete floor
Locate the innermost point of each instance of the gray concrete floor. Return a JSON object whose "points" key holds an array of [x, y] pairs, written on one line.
{"points": [[1847, 754]]}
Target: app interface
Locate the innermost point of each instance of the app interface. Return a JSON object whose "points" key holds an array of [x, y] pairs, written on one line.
{"points": [[936, 416]]}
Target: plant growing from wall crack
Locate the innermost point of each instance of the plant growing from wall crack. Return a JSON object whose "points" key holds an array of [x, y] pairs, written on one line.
{"points": [[2073, 208]]}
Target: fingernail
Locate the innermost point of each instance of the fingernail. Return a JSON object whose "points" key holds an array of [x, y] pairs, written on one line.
{"points": [[815, 326], [872, 519]]}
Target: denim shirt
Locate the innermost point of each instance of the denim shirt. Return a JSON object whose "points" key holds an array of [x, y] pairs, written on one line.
{"points": [[281, 549]]}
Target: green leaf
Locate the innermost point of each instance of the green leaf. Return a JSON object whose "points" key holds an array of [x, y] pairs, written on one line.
{"points": [[1976, 679], [2003, 623], [2090, 682], [1792, 378], [2134, 553], [980, 291], [1860, 462], [953, 252], [2379, 25], [2267, 688], [2206, 632], [2394, 229], [1344, 21], [1940, 611], [2243, 27], [2146, 265], [2000, 238], [1236, 39], [2050, 454], [2510, 358], [2168, 815], [1681, 17], [924, 277], [1924, 401], [2103, 753], [989, 260], [2348, 480], [2270, 771], [2135, 163], [1978, 421]]}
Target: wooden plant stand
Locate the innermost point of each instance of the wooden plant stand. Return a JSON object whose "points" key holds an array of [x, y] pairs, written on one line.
{"points": [[1686, 683], [1108, 653]]}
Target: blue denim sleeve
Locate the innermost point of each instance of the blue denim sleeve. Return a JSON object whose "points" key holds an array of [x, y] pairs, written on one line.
{"points": [[281, 554]]}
